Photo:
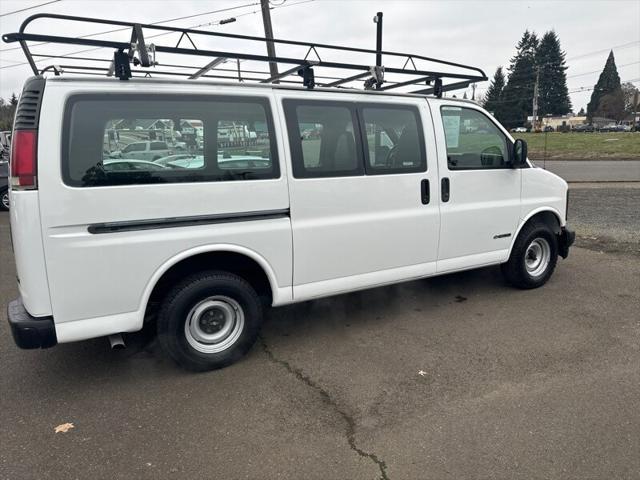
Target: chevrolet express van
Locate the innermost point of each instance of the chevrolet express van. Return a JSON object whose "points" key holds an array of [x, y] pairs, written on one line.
{"points": [[329, 191]]}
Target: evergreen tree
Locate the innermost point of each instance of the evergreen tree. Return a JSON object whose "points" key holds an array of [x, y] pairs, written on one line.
{"points": [[493, 98], [13, 100], [553, 94], [631, 96], [607, 99], [582, 113], [7, 111], [517, 97]]}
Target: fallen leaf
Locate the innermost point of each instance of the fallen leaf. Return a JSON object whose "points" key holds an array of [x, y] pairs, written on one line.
{"points": [[64, 427], [422, 373]]}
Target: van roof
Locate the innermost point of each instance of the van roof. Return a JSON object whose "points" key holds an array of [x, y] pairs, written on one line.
{"points": [[234, 86], [137, 58]]}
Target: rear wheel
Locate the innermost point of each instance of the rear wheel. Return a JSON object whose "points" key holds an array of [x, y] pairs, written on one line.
{"points": [[4, 199], [209, 320], [533, 257]]}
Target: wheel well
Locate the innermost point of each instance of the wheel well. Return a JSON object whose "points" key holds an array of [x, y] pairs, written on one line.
{"points": [[547, 217], [231, 262]]}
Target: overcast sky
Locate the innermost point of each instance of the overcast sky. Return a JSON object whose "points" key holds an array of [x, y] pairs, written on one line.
{"points": [[481, 33]]}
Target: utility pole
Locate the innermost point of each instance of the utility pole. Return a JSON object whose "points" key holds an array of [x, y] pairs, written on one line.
{"points": [[634, 112], [535, 102], [268, 33]]}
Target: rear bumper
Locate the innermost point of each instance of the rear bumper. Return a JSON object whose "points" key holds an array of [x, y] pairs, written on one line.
{"points": [[565, 240], [28, 331]]}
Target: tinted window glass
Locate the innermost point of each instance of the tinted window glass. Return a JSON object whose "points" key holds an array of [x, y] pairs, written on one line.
{"points": [[323, 139], [473, 141], [243, 144], [394, 139], [163, 139]]}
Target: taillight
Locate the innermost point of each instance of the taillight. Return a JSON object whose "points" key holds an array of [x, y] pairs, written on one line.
{"points": [[23, 160]]}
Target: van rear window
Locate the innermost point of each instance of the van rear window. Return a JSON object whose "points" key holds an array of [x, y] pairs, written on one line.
{"points": [[128, 140]]}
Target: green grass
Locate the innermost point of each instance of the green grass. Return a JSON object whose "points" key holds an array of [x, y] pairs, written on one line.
{"points": [[582, 146]]}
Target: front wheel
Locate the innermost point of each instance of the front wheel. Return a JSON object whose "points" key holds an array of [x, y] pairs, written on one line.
{"points": [[533, 257], [209, 320]]}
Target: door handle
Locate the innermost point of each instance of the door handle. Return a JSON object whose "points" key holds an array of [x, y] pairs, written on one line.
{"points": [[444, 189], [425, 194]]}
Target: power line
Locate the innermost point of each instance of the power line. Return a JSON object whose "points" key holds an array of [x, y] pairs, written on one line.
{"points": [[169, 33], [30, 8], [600, 71], [154, 23], [588, 89], [574, 90], [605, 50]]}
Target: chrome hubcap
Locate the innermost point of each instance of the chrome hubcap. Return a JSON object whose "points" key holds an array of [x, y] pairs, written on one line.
{"points": [[537, 257], [5, 199], [214, 324]]}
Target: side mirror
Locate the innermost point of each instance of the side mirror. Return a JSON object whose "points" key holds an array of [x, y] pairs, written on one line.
{"points": [[519, 153]]}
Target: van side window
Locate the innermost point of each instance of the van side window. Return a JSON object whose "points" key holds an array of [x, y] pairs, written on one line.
{"points": [[395, 140], [142, 139], [473, 141], [323, 139]]}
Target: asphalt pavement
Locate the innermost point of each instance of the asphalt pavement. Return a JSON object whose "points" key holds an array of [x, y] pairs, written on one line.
{"points": [[447, 378], [594, 170], [606, 217]]}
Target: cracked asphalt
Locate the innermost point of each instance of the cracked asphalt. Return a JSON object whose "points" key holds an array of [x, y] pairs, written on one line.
{"points": [[446, 378]]}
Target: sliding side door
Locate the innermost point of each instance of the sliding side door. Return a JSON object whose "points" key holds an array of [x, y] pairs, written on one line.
{"points": [[361, 210]]}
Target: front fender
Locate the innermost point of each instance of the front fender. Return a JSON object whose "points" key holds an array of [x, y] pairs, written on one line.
{"points": [[532, 214]]}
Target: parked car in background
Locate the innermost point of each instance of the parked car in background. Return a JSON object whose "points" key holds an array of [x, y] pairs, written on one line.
{"points": [[143, 151], [129, 165], [4, 185], [584, 128], [548, 128], [613, 127], [5, 146], [519, 130]]}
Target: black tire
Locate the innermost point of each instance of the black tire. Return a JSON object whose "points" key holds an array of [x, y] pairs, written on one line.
{"points": [[4, 194], [223, 292], [519, 270]]}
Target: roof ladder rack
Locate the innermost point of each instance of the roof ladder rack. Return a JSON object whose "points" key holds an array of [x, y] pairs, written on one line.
{"points": [[329, 69]]}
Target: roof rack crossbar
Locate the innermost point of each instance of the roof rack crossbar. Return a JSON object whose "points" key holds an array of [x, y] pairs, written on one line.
{"points": [[209, 66], [348, 79], [408, 82], [286, 73], [146, 57]]}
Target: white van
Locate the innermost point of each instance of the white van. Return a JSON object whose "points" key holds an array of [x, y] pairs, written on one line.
{"points": [[393, 188], [288, 193]]}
